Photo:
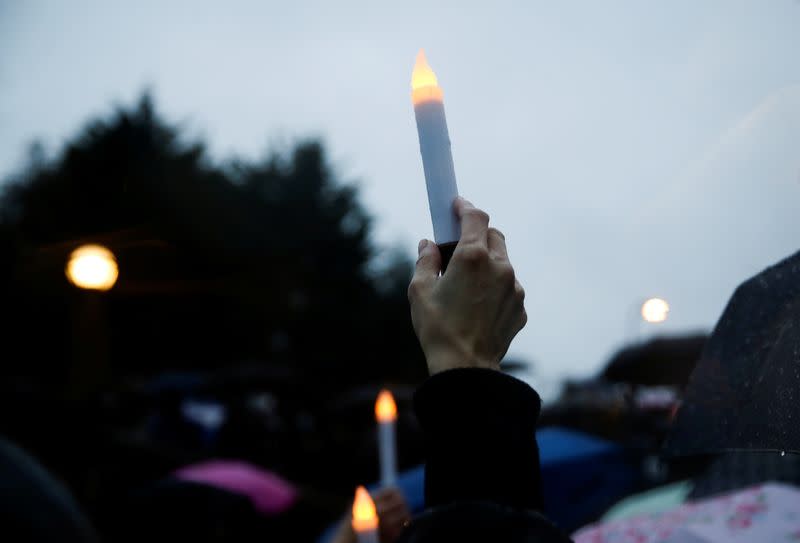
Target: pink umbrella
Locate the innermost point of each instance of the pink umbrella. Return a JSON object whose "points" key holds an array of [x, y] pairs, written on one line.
{"points": [[763, 513], [269, 493]]}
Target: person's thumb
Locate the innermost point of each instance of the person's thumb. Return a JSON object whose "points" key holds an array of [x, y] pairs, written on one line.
{"points": [[429, 263]]}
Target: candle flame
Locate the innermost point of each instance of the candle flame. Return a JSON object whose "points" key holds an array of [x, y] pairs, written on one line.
{"points": [[423, 75], [424, 85], [364, 515], [385, 408]]}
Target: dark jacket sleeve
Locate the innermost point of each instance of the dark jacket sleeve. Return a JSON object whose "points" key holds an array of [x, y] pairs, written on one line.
{"points": [[479, 427]]}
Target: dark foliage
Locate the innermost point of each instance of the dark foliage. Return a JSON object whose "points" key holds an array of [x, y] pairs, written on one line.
{"points": [[248, 278], [268, 260]]}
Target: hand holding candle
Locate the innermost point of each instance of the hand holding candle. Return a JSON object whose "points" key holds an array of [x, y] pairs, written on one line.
{"points": [[437, 159], [393, 517], [393, 514], [386, 415], [468, 316]]}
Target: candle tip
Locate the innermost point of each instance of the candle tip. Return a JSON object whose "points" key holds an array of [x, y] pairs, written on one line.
{"points": [[423, 75], [365, 517], [385, 408], [424, 84]]}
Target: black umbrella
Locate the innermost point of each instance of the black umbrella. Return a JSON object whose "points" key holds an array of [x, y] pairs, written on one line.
{"points": [[744, 393]]}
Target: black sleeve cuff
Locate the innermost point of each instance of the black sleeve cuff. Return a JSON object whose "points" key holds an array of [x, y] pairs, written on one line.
{"points": [[479, 428]]}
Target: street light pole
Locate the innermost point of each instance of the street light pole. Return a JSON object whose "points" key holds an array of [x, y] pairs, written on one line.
{"points": [[92, 269]]}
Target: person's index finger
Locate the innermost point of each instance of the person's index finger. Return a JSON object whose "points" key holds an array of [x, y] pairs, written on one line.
{"points": [[474, 222], [388, 494], [390, 508], [428, 264], [497, 244]]}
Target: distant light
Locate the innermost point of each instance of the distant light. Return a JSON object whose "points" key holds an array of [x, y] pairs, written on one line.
{"points": [[655, 310], [92, 267]]}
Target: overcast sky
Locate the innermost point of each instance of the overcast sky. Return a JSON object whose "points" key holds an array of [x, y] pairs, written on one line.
{"points": [[626, 148]]}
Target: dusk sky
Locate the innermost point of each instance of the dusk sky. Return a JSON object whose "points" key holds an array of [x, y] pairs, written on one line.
{"points": [[627, 149]]}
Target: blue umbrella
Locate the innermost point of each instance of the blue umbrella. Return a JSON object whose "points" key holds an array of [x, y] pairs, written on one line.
{"points": [[582, 475]]}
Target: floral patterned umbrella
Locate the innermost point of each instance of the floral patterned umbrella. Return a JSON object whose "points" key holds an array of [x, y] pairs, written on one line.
{"points": [[763, 513]]}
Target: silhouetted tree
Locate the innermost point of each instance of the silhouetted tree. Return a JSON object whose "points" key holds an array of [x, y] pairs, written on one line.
{"points": [[266, 260]]}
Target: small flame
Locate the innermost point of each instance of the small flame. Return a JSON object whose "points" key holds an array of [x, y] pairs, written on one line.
{"points": [[385, 408], [424, 85], [364, 515], [423, 75]]}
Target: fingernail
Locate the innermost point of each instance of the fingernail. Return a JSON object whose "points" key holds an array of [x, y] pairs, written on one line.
{"points": [[422, 244]]}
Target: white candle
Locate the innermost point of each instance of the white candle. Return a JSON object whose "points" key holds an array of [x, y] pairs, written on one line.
{"points": [[434, 145], [386, 415], [365, 518]]}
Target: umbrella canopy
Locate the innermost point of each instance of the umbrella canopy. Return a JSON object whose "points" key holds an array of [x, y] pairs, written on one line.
{"points": [[769, 512], [733, 470], [270, 495], [582, 475], [745, 391], [656, 500]]}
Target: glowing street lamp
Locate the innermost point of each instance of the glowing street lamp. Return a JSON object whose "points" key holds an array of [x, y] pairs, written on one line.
{"points": [[92, 267], [655, 310]]}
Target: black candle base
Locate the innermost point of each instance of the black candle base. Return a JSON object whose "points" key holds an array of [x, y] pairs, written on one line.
{"points": [[446, 250]]}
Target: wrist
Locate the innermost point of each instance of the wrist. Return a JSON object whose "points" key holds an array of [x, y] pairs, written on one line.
{"points": [[440, 360]]}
